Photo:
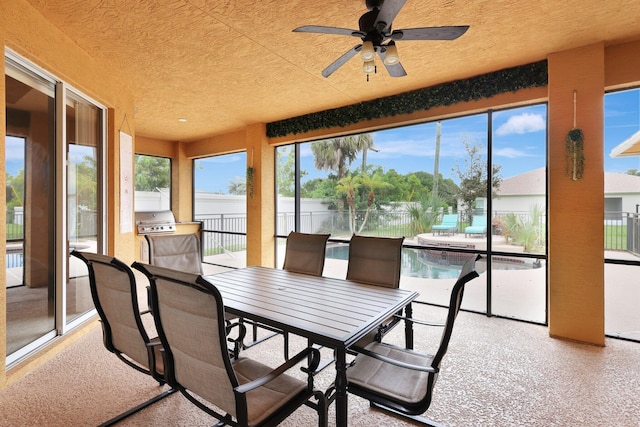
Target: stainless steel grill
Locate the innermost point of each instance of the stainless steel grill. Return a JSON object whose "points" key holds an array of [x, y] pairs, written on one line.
{"points": [[155, 222]]}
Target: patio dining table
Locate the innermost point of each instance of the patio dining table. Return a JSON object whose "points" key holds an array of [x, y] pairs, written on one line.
{"points": [[331, 312]]}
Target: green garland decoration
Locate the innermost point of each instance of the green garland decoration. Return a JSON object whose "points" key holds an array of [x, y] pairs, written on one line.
{"points": [[574, 154], [250, 173], [479, 87]]}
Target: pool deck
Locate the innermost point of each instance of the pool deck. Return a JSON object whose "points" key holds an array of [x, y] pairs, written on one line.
{"points": [[459, 240]]}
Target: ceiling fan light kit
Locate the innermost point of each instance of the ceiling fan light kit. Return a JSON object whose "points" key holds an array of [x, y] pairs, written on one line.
{"points": [[391, 55], [369, 67], [367, 53], [377, 37]]}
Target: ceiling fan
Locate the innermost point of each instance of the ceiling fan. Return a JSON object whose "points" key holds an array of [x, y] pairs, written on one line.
{"points": [[377, 37]]}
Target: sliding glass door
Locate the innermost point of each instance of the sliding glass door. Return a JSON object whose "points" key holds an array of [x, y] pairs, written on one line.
{"points": [[53, 148], [30, 168]]}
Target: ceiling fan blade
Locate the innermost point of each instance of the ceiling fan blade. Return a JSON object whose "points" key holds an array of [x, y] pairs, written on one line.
{"points": [[430, 33], [328, 30], [341, 61], [394, 70], [387, 14]]}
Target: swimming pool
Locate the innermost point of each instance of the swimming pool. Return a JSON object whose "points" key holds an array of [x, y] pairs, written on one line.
{"points": [[412, 266], [420, 264]]}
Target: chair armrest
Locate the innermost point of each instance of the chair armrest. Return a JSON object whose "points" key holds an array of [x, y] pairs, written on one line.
{"points": [[315, 360], [155, 344], [242, 331], [418, 321], [237, 341], [395, 362]]}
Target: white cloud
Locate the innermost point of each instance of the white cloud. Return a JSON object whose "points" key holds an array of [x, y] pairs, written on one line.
{"points": [[511, 153], [14, 148], [522, 123], [227, 158]]}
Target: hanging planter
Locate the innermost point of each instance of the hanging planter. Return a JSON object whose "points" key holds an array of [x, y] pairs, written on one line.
{"points": [[250, 171], [574, 146], [249, 182]]}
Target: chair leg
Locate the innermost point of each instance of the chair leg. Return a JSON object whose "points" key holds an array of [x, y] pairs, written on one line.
{"points": [[323, 409], [138, 408], [417, 418]]}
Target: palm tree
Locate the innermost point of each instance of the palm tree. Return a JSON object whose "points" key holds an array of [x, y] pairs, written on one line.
{"points": [[334, 154], [348, 186], [364, 142], [371, 182]]}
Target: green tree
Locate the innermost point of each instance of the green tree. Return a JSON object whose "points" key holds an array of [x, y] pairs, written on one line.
{"points": [[371, 183], [285, 171], [473, 177], [152, 172], [363, 143], [15, 189], [349, 186], [237, 186], [635, 172], [87, 183], [337, 154], [320, 188]]}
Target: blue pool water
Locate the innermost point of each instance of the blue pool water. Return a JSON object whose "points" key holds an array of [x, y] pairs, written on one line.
{"points": [[412, 266], [416, 263]]}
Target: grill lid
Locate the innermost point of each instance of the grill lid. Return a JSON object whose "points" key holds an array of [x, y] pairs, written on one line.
{"points": [[155, 222]]}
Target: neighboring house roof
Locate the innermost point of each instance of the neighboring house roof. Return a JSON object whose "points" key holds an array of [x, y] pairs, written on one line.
{"points": [[533, 183], [621, 183], [528, 183]]}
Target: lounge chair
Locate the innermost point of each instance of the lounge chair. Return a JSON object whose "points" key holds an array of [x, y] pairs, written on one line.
{"points": [[478, 226], [449, 225]]}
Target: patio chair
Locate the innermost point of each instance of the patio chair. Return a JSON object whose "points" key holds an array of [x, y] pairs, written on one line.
{"points": [[190, 322], [375, 261], [478, 226], [449, 225], [305, 254], [180, 252], [176, 251], [399, 380], [115, 297]]}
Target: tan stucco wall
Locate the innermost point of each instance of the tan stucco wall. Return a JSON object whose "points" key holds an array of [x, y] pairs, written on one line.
{"points": [[576, 208]]}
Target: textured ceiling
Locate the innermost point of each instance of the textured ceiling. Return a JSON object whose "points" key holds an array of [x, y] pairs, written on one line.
{"points": [[225, 64]]}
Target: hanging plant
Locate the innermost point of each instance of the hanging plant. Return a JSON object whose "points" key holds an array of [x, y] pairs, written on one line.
{"points": [[250, 172], [574, 146]]}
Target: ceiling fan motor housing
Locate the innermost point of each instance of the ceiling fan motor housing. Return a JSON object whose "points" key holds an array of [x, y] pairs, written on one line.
{"points": [[373, 32], [373, 4]]}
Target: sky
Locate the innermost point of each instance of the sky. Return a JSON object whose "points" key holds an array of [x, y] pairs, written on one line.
{"points": [[518, 145]]}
